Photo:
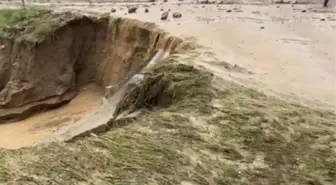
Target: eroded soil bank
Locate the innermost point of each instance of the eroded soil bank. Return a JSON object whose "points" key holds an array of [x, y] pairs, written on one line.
{"points": [[46, 57]]}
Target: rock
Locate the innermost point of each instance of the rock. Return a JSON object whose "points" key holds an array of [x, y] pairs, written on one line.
{"points": [[322, 19], [262, 28], [132, 10], [146, 10], [151, 1], [165, 1], [304, 11], [164, 16], [113, 10], [177, 15], [229, 11], [161, 9]]}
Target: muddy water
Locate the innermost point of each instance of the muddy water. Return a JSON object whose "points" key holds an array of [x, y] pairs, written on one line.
{"points": [[28, 131]]}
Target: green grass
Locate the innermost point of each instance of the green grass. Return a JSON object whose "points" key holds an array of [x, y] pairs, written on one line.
{"points": [[10, 17], [31, 25]]}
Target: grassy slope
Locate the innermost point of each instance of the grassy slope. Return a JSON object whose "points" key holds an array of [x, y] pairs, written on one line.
{"points": [[230, 136]]}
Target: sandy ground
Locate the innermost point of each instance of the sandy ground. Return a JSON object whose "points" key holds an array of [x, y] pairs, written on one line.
{"points": [[284, 50], [35, 128]]}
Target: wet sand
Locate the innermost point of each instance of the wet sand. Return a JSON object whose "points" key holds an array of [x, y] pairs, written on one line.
{"points": [[37, 127]]}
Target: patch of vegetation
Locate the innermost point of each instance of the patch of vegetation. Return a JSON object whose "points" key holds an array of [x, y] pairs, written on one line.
{"points": [[244, 137], [31, 25], [169, 83]]}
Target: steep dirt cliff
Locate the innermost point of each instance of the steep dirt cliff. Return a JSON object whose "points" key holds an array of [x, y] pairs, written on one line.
{"points": [[44, 59]]}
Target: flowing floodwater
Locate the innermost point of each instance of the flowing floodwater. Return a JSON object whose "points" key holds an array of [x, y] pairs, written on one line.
{"points": [[29, 131]]}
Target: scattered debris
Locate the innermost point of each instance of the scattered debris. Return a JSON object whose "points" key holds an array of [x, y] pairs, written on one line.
{"points": [[132, 10], [164, 16], [177, 15]]}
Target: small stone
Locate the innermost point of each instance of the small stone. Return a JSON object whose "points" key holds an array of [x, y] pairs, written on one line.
{"points": [[304, 11], [132, 10], [165, 1], [322, 19], [229, 11], [146, 10], [177, 15], [113, 10], [262, 27], [164, 16]]}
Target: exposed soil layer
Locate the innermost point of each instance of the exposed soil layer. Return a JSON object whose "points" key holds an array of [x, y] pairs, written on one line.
{"points": [[44, 69]]}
